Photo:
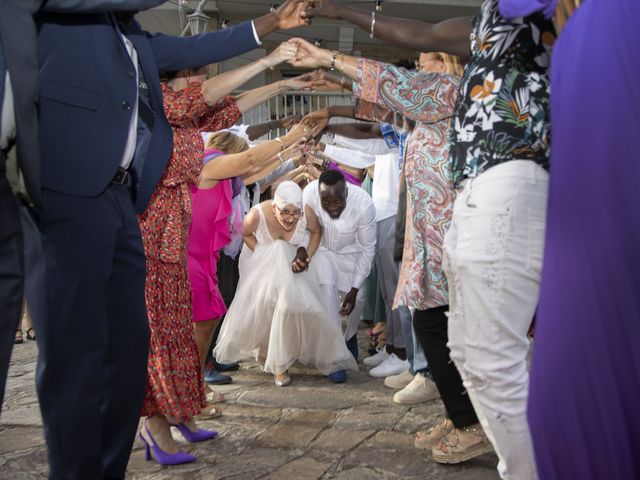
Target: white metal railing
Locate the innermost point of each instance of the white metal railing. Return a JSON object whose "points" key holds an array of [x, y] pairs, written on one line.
{"points": [[292, 103]]}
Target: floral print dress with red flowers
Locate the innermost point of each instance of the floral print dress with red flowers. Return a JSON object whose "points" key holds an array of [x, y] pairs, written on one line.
{"points": [[174, 385]]}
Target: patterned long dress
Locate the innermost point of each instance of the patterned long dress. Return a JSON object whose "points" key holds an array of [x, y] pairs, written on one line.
{"points": [[429, 99], [174, 385]]}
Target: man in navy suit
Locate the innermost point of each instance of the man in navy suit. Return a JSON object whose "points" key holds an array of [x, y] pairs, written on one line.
{"points": [[19, 127], [105, 143]]}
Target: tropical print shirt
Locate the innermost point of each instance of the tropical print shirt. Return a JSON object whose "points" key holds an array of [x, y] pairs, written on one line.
{"points": [[503, 113]]}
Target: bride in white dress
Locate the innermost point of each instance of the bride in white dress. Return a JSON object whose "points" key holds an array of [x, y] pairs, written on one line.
{"points": [[277, 315]]}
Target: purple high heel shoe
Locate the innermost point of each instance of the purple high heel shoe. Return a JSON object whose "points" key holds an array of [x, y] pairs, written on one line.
{"points": [[160, 456], [198, 436]]}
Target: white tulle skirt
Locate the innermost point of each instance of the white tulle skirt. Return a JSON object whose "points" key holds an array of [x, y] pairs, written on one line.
{"points": [[278, 317]]}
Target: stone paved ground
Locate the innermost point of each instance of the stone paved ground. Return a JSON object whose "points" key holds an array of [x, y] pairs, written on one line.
{"points": [[309, 430]]}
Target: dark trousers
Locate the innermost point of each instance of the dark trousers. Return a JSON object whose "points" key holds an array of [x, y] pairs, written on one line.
{"points": [[94, 340], [430, 327], [228, 278], [11, 274], [34, 268]]}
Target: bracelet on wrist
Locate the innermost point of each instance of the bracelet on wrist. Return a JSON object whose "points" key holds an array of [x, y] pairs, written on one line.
{"points": [[373, 23], [279, 140], [334, 57]]}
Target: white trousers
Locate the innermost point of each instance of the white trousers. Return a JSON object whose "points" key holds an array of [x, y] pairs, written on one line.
{"points": [[493, 260]]}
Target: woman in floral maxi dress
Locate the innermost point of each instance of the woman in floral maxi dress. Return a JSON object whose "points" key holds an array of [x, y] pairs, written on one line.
{"points": [[175, 388]]}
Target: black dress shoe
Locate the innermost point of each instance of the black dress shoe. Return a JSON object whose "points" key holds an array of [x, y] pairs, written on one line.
{"points": [[225, 367]]}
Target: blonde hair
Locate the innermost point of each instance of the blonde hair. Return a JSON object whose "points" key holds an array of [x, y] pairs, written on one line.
{"points": [[455, 65], [226, 142]]}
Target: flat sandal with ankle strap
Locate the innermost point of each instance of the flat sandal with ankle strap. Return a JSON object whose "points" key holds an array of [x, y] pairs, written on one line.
{"points": [[429, 439], [453, 453]]}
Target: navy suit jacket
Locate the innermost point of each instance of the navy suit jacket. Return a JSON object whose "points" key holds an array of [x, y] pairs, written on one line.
{"points": [[18, 32], [88, 87]]}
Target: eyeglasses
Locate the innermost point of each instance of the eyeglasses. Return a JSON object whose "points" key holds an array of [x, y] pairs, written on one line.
{"points": [[287, 213]]}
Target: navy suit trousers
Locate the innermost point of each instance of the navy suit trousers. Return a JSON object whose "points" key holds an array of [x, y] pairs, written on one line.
{"points": [[94, 345], [11, 274]]}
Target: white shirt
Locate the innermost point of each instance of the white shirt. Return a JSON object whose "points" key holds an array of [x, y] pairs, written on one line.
{"points": [[349, 239], [349, 157], [130, 147], [372, 146], [386, 180], [386, 185], [8, 132], [356, 153]]}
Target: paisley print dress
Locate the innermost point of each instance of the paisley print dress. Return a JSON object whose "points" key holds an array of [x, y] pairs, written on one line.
{"points": [[429, 99]]}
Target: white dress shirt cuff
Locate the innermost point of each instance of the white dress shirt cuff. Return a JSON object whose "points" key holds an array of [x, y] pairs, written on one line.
{"points": [[358, 281], [255, 34]]}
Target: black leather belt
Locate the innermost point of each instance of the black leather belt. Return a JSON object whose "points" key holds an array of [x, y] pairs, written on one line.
{"points": [[121, 176]]}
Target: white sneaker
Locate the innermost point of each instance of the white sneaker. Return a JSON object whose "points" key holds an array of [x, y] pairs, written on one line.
{"points": [[398, 381], [391, 366], [377, 359], [421, 389]]}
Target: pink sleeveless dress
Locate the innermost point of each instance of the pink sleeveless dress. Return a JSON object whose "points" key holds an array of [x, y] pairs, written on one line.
{"points": [[209, 233]]}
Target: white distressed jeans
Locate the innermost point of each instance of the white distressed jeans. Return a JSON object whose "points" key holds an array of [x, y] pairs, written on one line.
{"points": [[493, 260]]}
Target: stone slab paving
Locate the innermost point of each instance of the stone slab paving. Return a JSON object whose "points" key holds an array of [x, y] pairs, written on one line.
{"points": [[310, 430]]}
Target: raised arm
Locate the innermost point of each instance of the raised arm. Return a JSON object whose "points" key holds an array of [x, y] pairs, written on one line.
{"points": [[222, 85], [251, 98], [392, 87], [260, 129], [283, 163], [319, 119], [358, 131], [451, 36], [419, 96], [178, 53], [354, 158], [98, 6], [288, 15], [236, 164]]}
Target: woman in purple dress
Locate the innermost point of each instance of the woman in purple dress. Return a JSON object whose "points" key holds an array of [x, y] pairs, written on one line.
{"points": [[585, 379]]}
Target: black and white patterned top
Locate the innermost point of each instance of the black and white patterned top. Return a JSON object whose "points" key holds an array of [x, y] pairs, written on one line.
{"points": [[503, 113]]}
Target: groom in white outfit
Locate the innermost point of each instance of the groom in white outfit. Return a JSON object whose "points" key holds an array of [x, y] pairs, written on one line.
{"points": [[347, 248]]}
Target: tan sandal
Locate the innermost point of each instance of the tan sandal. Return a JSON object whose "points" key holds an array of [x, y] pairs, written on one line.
{"points": [[429, 439], [214, 397], [209, 413], [449, 450]]}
